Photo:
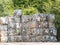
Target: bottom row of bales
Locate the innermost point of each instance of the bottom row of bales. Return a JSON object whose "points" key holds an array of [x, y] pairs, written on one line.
{"points": [[36, 28], [28, 35]]}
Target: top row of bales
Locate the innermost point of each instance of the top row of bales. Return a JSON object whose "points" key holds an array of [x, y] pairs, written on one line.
{"points": [[19, 18]]}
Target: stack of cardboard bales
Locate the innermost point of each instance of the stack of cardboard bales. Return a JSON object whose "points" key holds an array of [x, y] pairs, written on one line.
{"points": [[25, 28]]}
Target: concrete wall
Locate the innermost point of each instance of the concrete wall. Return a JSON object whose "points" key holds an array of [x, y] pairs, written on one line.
{"points": [[24, 28]]}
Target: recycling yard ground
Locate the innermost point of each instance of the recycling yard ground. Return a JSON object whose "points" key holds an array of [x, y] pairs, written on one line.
{"points": [[32, 43]]}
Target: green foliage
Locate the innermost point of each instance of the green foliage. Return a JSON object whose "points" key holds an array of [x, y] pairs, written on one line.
{"points": [[6, 7], [30, 11]]}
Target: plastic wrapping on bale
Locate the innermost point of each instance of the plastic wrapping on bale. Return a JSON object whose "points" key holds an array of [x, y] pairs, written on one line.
{"points": [[46, 38], [4, 20]]}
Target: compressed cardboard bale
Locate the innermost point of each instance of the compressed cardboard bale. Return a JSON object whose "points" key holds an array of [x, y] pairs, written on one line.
{"points": [[11, 32], [38, 38], [28, 31], [10, 18], [11, 39], [51, 18], [43, 17], [26, 18], [34, 24], [11, 25], [4, 33], [4, 20], [18, 38], [51, 24], [44, 24], [11, 22], [3, 27], [35, 17], [4, 37], [38, 19], [28, 39], [24, 31], [39, 31], [53, 31], [33, 39], [46, 38], [24, 39], [26, 25], [32, 32], [46, 31], [53, 39]]}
